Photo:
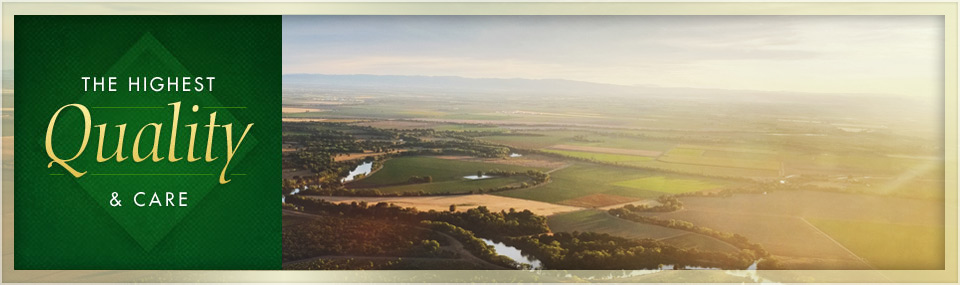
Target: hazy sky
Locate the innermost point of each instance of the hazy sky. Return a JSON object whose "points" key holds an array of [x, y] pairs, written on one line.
{"points": [[835, 54]]}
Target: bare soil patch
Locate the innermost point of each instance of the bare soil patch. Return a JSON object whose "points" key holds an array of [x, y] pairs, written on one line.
{"points": [[464, 202], [353, 156]]}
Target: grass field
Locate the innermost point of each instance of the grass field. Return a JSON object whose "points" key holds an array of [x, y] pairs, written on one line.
{"points": [[721, 158], [397, 124], [603, 157], [447, 175], [889, 246], [711, 170], [780, 235], [681, 151], [455, 186], [470, 116], [584, 179], [684, 164], [633, 151], [626, 143], [789, 224], [541, 140], [667, 185], [866, 163], [601, 222], [466, 127]]}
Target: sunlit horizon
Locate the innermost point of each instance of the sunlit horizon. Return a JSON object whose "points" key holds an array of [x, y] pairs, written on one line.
{"points": [[888, 55]]}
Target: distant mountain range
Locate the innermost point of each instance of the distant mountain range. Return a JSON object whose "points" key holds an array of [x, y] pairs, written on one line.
{"points": [[454, 84]]}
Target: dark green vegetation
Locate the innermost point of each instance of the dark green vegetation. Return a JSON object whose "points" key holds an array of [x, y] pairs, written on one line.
{"points": [[357, 236], [339, 231], [384, 230], [733, 239], [472, 244], [603, 222], [587, 251]]}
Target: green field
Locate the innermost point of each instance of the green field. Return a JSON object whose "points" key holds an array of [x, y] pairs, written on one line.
{"points": [[601, 222], [583, 179], [602, 157], [626, 143], [663, 184], [720, 157], [679, 151], [695, 160], [466, 127], [540, 139], [889, 246], [447, 175], [458, 186], [700, 169], [366, 111], [471, 116]]}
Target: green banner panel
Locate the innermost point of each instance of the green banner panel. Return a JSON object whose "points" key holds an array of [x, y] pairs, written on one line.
{"points": [[147, 142]]}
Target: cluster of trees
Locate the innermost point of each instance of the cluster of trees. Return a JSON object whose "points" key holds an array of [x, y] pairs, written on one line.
{"points": [[530, 233], [474, 245], [337, 235], [583, 138], [468, 147], [326, 179], [366, 192], [480, 220], [600, 251], [667, 204], [737, 240], [338, 138], [344, 264], [420, 179], [316, 144], [537, 177]]}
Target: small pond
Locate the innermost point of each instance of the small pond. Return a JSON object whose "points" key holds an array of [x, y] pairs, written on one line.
{"points": [[364, 169], [475, 177], [513, 253]]}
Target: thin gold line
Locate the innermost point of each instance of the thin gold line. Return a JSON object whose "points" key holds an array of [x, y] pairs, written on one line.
{"points": [[151, 174], [125, 107]]}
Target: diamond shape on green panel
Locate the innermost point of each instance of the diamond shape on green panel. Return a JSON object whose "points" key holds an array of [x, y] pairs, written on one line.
{"points": [[149, 225]]}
